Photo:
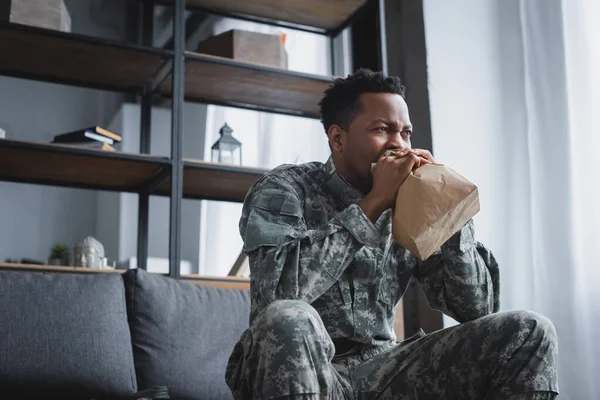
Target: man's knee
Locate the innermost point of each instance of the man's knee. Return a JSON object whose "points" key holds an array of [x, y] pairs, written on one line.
{"points": [[289, 335], [524, 344], [290, 318], [528, 325], [532, 350]]}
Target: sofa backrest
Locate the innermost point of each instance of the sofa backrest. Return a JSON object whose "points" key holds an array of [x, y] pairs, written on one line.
{"points": [[64, 336], [183, 333]]}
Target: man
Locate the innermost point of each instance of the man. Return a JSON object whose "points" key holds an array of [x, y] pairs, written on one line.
{"points": [[327, 275]]}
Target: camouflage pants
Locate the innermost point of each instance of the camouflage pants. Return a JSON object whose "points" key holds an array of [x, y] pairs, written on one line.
{"points": [[287, 353]]}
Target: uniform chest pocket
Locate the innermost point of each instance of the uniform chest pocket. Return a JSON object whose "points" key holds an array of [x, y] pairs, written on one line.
{"points": [[271, 220], [364, 267]]}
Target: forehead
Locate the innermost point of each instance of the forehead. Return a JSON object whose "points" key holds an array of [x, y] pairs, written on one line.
{"points": [[388, 106]]}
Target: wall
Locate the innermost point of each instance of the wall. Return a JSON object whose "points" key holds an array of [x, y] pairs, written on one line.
{"points": [[476, 97], [33, 218]]}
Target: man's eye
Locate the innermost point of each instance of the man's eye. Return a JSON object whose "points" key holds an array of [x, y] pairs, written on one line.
{"points": [[380, 128], [407, 133]]}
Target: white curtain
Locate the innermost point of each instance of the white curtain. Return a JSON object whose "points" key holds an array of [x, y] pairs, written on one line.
{"points": [[561, 53], [268, 140], [519, 114]]}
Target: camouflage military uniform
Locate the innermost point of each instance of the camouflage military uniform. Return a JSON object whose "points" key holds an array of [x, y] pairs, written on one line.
{"points": [[325, 283]]}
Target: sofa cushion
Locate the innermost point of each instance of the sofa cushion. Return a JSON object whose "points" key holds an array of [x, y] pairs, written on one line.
{"points": [[64, 335], [183, 333]]}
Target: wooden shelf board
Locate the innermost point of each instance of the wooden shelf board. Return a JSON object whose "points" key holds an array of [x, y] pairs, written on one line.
{"points": [[54, 268], [225, 282], [205, 180], [220, 80], [43, 54], [324, 14], [61, 165]]}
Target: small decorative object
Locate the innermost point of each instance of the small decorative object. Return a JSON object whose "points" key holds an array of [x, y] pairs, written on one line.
{"points": [[60, 255], [49, 14], [89, 253], [252, 47], [227, 150]]}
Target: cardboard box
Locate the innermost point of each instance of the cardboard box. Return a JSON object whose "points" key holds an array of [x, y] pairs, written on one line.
{"points": [[49, 14], [253, 47]]}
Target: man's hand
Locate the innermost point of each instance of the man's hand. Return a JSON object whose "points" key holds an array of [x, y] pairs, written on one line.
{"points": [[390, 172], [424, 155]]}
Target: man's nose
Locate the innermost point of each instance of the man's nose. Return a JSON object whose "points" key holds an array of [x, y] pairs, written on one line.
{"points": [[395, 141]]}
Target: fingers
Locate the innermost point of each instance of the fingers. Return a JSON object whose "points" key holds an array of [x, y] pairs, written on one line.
{"points": [[424, 161], [395, 153], [411, 159], [415, 161], [425, 154], [415, 157]]}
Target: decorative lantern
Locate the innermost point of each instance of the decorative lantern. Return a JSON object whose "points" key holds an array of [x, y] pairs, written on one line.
{"points": [[227, 150]]}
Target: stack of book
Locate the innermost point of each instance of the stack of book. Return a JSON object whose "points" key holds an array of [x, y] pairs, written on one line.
{"points": [[94, 137]]}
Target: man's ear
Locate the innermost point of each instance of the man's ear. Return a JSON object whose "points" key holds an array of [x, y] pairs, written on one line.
{"points": [[337, 138]]}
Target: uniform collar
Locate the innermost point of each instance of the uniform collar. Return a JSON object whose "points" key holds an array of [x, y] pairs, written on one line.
{"points": [[339, 185]]}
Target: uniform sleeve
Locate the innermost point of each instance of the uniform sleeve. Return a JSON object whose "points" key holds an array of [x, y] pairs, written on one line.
{"points": [[462, 279], [290, 261]]}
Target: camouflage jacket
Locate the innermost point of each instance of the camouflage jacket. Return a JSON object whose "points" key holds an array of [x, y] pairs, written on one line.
{"points": [[307, 239]]}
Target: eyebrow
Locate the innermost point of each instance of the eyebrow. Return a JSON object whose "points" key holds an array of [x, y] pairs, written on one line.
{"points": [[388, 123]]}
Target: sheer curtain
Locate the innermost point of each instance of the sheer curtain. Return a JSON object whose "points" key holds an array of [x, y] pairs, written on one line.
{"points": [[268, 140], [519, 113], [561, 53], [582, 50]]}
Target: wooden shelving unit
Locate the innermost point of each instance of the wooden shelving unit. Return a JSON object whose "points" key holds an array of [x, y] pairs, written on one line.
{"points": [[45, 55]]}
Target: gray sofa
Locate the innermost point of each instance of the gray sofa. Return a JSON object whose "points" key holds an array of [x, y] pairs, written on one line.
{"points": [[111, 335]]}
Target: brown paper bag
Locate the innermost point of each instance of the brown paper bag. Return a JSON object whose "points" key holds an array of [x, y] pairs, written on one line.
{"points": [[432, 204]]}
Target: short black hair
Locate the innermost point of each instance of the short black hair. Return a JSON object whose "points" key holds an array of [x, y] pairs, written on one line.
{"points": [[341, 103]]}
